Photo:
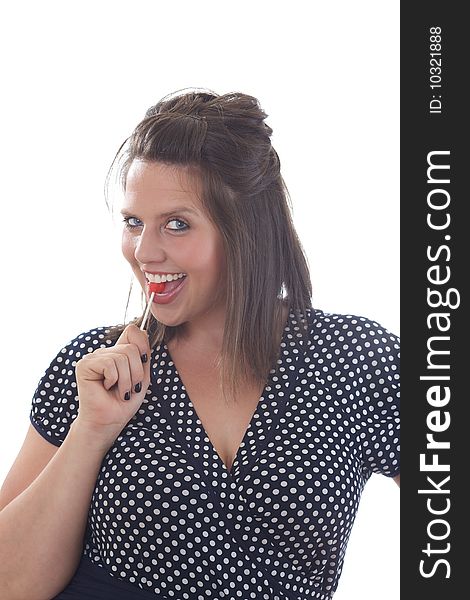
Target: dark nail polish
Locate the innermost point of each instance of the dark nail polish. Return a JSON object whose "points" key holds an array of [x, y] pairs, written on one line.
{"points": [[127, 396], [138, 387], [144, 358]]}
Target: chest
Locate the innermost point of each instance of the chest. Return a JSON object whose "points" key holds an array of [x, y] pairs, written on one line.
{"points": [[224, 423]]}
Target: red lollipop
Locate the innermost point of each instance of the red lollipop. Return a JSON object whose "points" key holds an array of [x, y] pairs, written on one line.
{"points": [[156, 287]]}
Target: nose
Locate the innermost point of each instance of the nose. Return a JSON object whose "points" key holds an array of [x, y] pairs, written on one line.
{"points": [[148, 248]]}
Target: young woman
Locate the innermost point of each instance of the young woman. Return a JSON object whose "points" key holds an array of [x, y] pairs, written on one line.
{"points": [[219, 449]]}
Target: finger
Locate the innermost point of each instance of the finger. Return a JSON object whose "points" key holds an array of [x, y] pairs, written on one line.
{"points": [[110, 373], [124, 382], [98, 366], [133, 335], [139, 372]]}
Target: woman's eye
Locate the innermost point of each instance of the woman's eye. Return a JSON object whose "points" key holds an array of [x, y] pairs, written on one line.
{"points": [[132, 222], [179, 222]]}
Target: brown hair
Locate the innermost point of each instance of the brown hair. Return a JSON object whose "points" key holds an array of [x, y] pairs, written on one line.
{"points": [[224, 142]]}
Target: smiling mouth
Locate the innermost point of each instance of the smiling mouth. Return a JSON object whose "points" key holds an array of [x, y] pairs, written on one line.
{"points": [[165, 288]]}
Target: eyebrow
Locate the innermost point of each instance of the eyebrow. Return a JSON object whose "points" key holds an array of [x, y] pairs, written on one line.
{"points": [[177, 209]]}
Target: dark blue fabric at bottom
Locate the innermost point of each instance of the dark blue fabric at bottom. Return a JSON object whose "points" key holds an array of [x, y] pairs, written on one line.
{"points": [[91, 582]]}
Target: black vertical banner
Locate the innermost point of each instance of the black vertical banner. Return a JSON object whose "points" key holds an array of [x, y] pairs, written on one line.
{"points": [[435, 254]]}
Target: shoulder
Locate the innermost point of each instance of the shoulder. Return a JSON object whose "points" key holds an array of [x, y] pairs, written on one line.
{"points": [[86, 342], [350, 332], [63, 363], [62, 366], [350, 346]]}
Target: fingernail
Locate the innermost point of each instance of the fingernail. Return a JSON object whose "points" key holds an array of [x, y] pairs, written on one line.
{"points": [[144, 358], [127, 396], [138, 387]]}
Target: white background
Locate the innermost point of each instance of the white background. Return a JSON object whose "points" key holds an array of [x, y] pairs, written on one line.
{"points": [[76, 79]]}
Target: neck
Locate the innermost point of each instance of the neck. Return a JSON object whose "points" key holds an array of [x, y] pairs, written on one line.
{"points": [[206, 335]]}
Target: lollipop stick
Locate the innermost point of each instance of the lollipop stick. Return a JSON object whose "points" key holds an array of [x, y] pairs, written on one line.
{"points": [[147, 310]]}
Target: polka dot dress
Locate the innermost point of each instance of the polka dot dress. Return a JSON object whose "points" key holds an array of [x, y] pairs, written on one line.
{"points": [[168, 518]]}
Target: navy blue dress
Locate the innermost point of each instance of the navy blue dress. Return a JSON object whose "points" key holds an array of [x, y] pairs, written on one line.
{"points": [[168, 520]]}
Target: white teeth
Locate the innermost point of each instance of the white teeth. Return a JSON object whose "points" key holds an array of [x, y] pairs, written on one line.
{"points": [[151, 278]]}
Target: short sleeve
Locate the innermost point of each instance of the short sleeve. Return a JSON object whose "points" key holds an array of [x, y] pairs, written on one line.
{"points": [[358, 361], [55, 401], [379, 393]]}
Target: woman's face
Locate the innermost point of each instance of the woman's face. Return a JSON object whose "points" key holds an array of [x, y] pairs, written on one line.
{"points": [[167, 232]]}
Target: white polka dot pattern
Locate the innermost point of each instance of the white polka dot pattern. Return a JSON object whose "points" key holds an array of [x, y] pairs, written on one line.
{"points": [[166, 514]]}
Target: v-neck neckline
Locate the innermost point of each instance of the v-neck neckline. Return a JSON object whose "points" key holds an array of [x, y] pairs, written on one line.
{"points": [[191, 432], [199, 424]]}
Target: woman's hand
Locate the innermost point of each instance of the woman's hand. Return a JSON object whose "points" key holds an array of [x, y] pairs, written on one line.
{"points": [[112, 383]]}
